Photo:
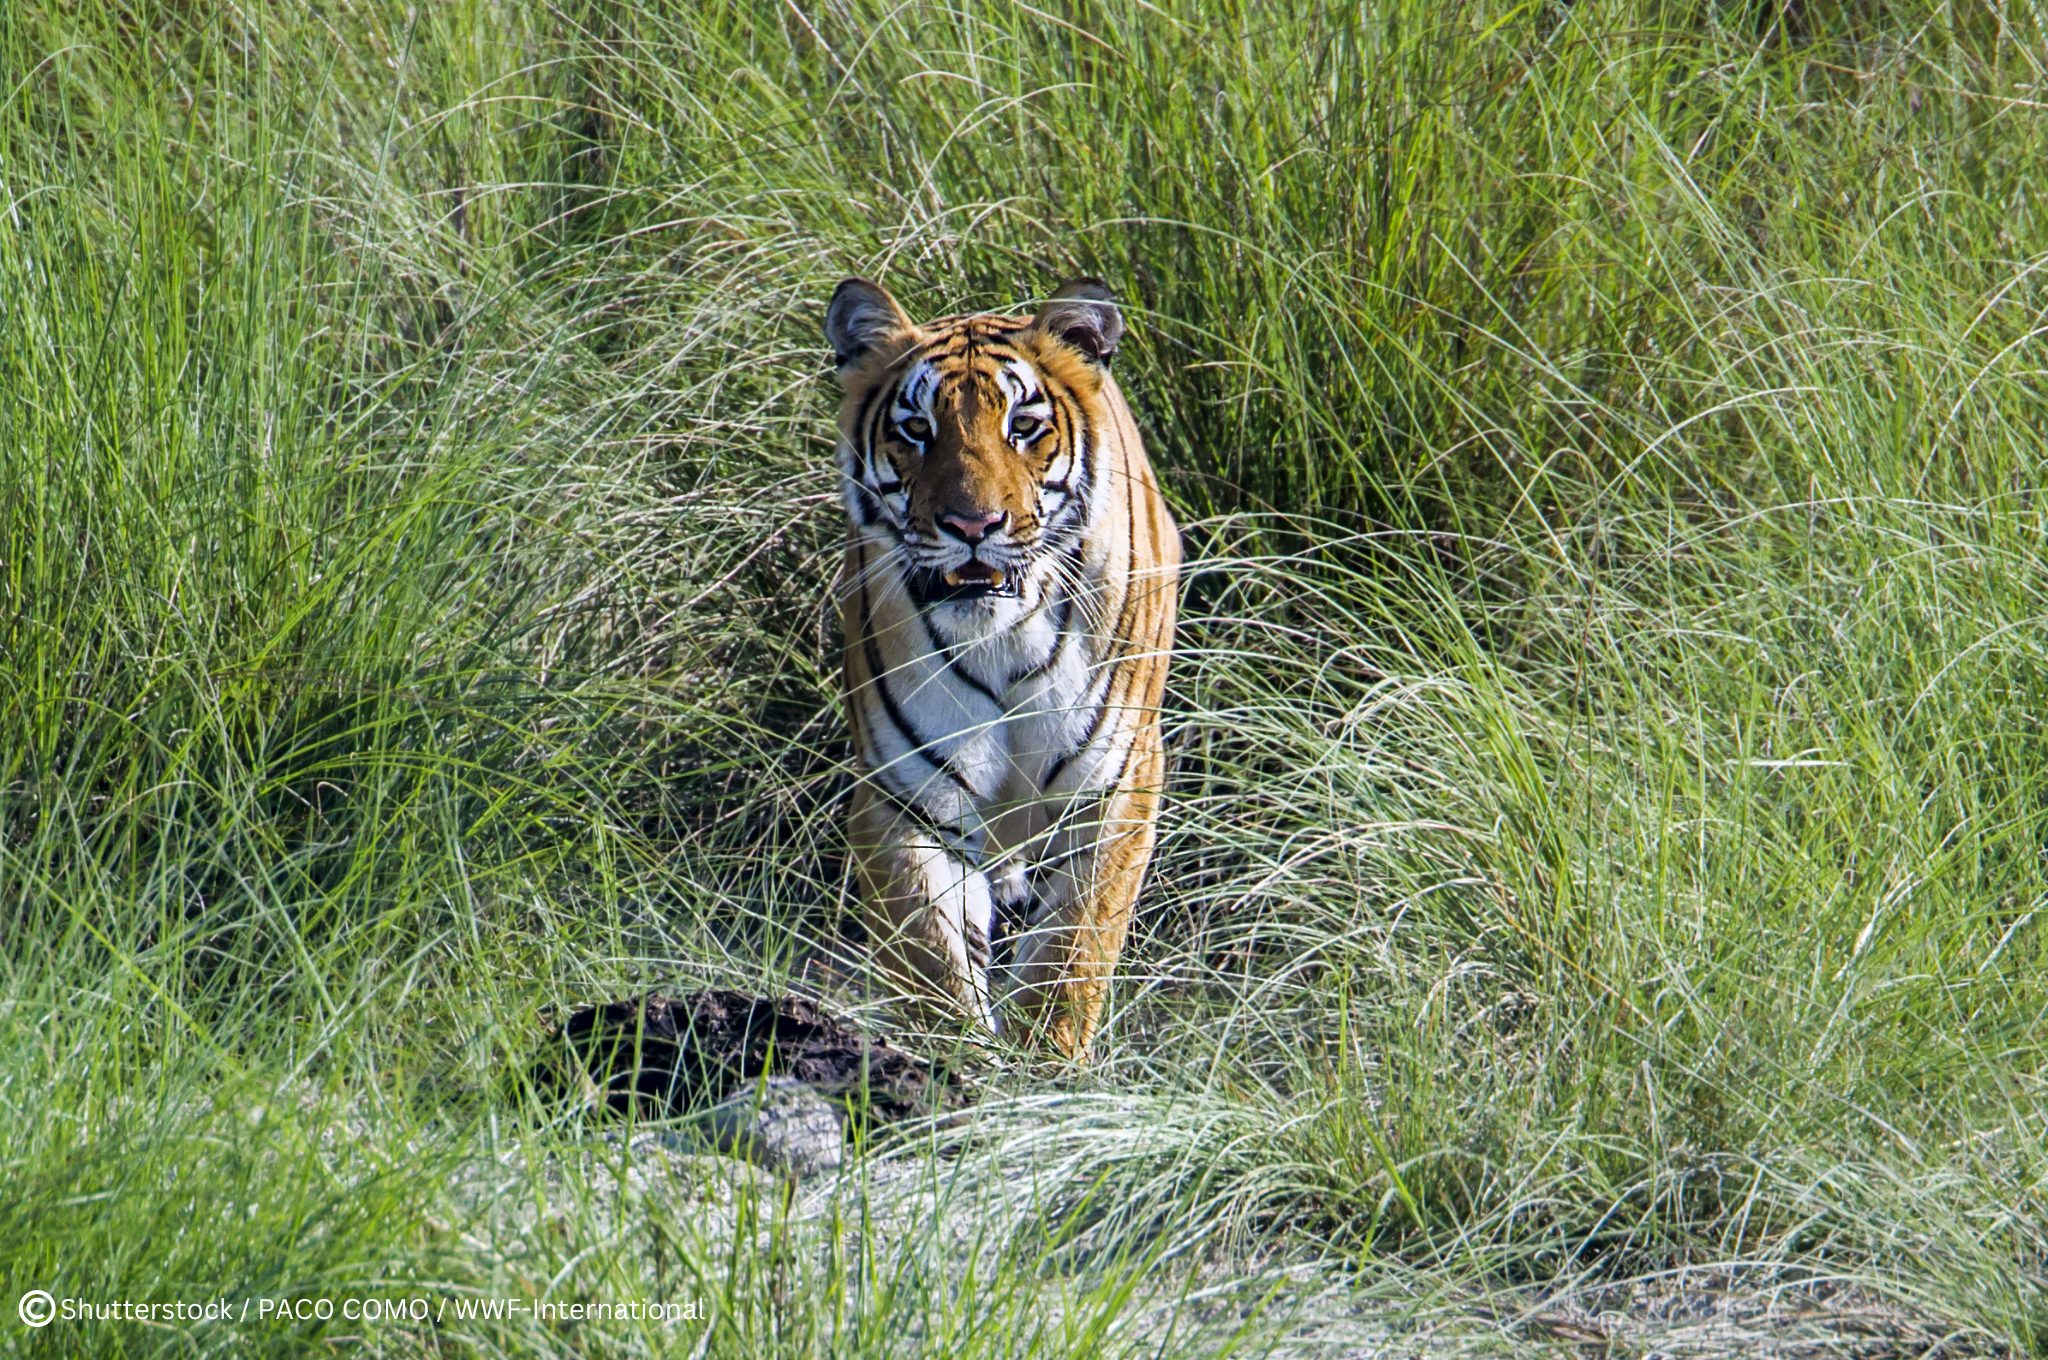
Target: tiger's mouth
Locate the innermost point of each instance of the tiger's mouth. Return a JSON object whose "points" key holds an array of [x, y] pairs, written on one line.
{"points": [[973, 579]]}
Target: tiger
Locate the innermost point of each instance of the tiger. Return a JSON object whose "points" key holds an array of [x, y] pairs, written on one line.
{"points": [[1007, 604]]}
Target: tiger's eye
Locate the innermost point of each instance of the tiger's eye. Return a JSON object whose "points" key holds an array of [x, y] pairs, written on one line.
{"points": [[917, 429], [1026, 427]]}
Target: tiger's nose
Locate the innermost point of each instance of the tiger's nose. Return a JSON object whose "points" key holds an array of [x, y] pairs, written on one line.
{"points": [[974, 525]]}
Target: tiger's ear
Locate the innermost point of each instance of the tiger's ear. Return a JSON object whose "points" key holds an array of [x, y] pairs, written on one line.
{"points": [[860, 316], [1083, 314]]}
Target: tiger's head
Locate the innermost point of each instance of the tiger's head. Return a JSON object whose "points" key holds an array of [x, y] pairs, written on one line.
{"points": [[972, 442]]}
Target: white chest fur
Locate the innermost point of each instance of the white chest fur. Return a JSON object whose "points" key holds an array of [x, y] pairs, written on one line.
{"points": [[1024, 689]]}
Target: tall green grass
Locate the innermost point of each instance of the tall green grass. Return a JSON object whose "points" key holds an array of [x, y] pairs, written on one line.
{"points": [[1606, 841]]}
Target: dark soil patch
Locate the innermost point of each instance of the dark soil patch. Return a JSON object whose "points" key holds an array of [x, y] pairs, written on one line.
{"points": [[669, 1055]]}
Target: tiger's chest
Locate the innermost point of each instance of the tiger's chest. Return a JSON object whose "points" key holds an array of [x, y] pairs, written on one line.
{"points": [[1020, 702]]}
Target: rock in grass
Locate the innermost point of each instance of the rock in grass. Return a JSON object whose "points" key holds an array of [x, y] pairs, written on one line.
{"points": [[768, 1074], [783, 1125]]}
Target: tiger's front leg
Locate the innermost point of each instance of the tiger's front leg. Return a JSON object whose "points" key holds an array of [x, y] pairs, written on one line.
{"points": [[1058, 967], [928, 909]]}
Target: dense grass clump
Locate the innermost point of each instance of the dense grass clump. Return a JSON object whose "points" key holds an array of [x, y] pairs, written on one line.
{"points": [[1606, 843]]}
